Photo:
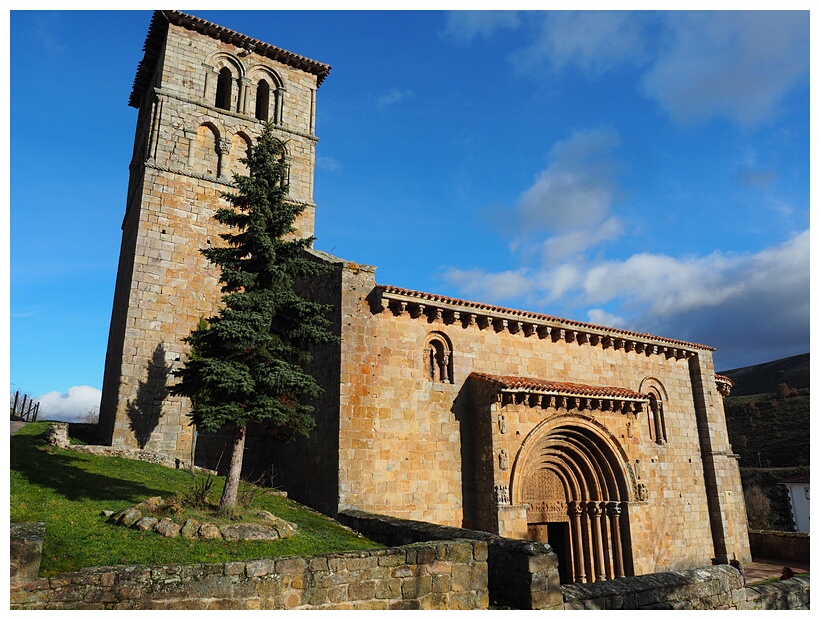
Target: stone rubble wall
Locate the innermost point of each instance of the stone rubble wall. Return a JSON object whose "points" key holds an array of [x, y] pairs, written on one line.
{"points": [[438, 575], [786, 546], [788, 594], [522, 574], [712, 587]]}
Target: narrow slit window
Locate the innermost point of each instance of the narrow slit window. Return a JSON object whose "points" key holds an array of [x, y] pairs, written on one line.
{"points": [[262, 100], [223, 89]]}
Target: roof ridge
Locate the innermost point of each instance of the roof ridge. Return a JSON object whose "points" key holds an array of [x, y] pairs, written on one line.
{"points": [[512, 382], [534, 315], [203, 26]]}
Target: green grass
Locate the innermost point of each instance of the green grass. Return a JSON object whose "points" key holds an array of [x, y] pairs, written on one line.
{"points": [[68, 490]]}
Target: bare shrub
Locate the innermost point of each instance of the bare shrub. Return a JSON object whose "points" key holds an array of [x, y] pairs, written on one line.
{"points": [[197, 493], [758, 508]]}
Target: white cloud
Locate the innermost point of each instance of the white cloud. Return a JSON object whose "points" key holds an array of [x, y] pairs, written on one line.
{"points": [[70, 407], [392, 97], [464, 26], [594, 41], [752, 306], [737, 64], [602, 317], [696, 65], [328, 163], [577, 187], [662, 286], [574, 242], [490, 287]]}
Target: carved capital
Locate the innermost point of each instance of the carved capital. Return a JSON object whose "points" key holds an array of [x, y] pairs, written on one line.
{"points": [[502, 494]]}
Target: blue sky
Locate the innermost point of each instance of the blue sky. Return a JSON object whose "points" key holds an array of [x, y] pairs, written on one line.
{"points": [[647, 170]]}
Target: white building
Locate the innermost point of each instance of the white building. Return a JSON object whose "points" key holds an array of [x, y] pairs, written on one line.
{"points": [[798, 487]]}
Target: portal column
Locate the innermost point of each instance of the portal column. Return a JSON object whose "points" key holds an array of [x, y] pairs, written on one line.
{"points": [[614, 512], [575, 510], [594, 512]]}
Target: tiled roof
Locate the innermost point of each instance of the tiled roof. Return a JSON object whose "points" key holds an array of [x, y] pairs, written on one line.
{"points": [[524, 315], [725, 379], [155, 38], [558, 387]]}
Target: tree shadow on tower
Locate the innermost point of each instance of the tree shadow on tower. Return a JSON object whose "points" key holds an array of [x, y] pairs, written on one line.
{"points": [[145, 410]]}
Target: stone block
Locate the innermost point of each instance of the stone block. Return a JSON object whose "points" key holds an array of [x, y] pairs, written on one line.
{"points": [[234, 568], [260, 568], [361, 590], [337, 594], [290, 566], [26, 552]]}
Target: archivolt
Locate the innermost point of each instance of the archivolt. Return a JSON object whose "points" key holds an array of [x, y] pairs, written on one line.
{"points": [[585, 454], [597, 484]]}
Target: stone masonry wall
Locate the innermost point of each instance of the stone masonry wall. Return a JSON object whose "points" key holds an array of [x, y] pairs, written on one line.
{"points": [[712, 587], [309, 467], [521, 574], [435, 575], [401, 434], [186, 151], [786, 546]]}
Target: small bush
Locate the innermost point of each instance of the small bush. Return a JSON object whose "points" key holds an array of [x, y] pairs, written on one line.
{"points": [[758, 508], [196, 495], [250, 490]]}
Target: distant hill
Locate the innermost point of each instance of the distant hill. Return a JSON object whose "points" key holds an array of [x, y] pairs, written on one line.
{"points": [[764, 378], [769, 427]]}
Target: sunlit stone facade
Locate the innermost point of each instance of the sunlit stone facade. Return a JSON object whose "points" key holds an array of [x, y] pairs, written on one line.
{"points": [[609, 445]]}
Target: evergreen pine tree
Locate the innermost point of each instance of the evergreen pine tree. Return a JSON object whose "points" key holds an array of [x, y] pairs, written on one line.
{"points": [[248, 361]]}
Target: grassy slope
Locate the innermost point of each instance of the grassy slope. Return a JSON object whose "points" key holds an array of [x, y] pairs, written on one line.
{"points": [[68, 490]]}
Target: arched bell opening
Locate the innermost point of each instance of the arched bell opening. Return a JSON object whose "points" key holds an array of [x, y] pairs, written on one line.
{"points": [[575, 484]]}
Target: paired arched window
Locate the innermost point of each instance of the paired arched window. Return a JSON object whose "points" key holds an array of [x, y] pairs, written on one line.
{"points": [[655, 419], [262, 100], [223, 89], [438, 358]]}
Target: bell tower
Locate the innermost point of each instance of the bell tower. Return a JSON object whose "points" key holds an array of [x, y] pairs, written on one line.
{"points": [[203, 93]]}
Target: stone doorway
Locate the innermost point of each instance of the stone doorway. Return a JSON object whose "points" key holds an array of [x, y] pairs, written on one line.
{"points": [[576, 491], [556, 535]]}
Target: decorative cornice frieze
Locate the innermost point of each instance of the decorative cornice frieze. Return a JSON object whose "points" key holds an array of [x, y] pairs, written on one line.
{"points": [[724, 384], [451, 311], [562, 395]]}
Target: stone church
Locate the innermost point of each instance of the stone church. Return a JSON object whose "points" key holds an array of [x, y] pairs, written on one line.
{"points": [[609, 445]]}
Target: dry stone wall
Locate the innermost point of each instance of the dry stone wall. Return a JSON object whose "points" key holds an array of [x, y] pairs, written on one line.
{"points": [[521, 574], [712, 587], [437, 575]]}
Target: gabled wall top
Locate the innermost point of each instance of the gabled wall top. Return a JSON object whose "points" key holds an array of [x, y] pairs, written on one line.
{"points": [[159, 27]]}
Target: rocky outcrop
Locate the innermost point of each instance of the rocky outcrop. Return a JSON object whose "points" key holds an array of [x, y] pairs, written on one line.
{"points": [[269, 527]]}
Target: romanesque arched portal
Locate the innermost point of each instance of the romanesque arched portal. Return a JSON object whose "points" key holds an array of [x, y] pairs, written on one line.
{"points": [[574, 480]]}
